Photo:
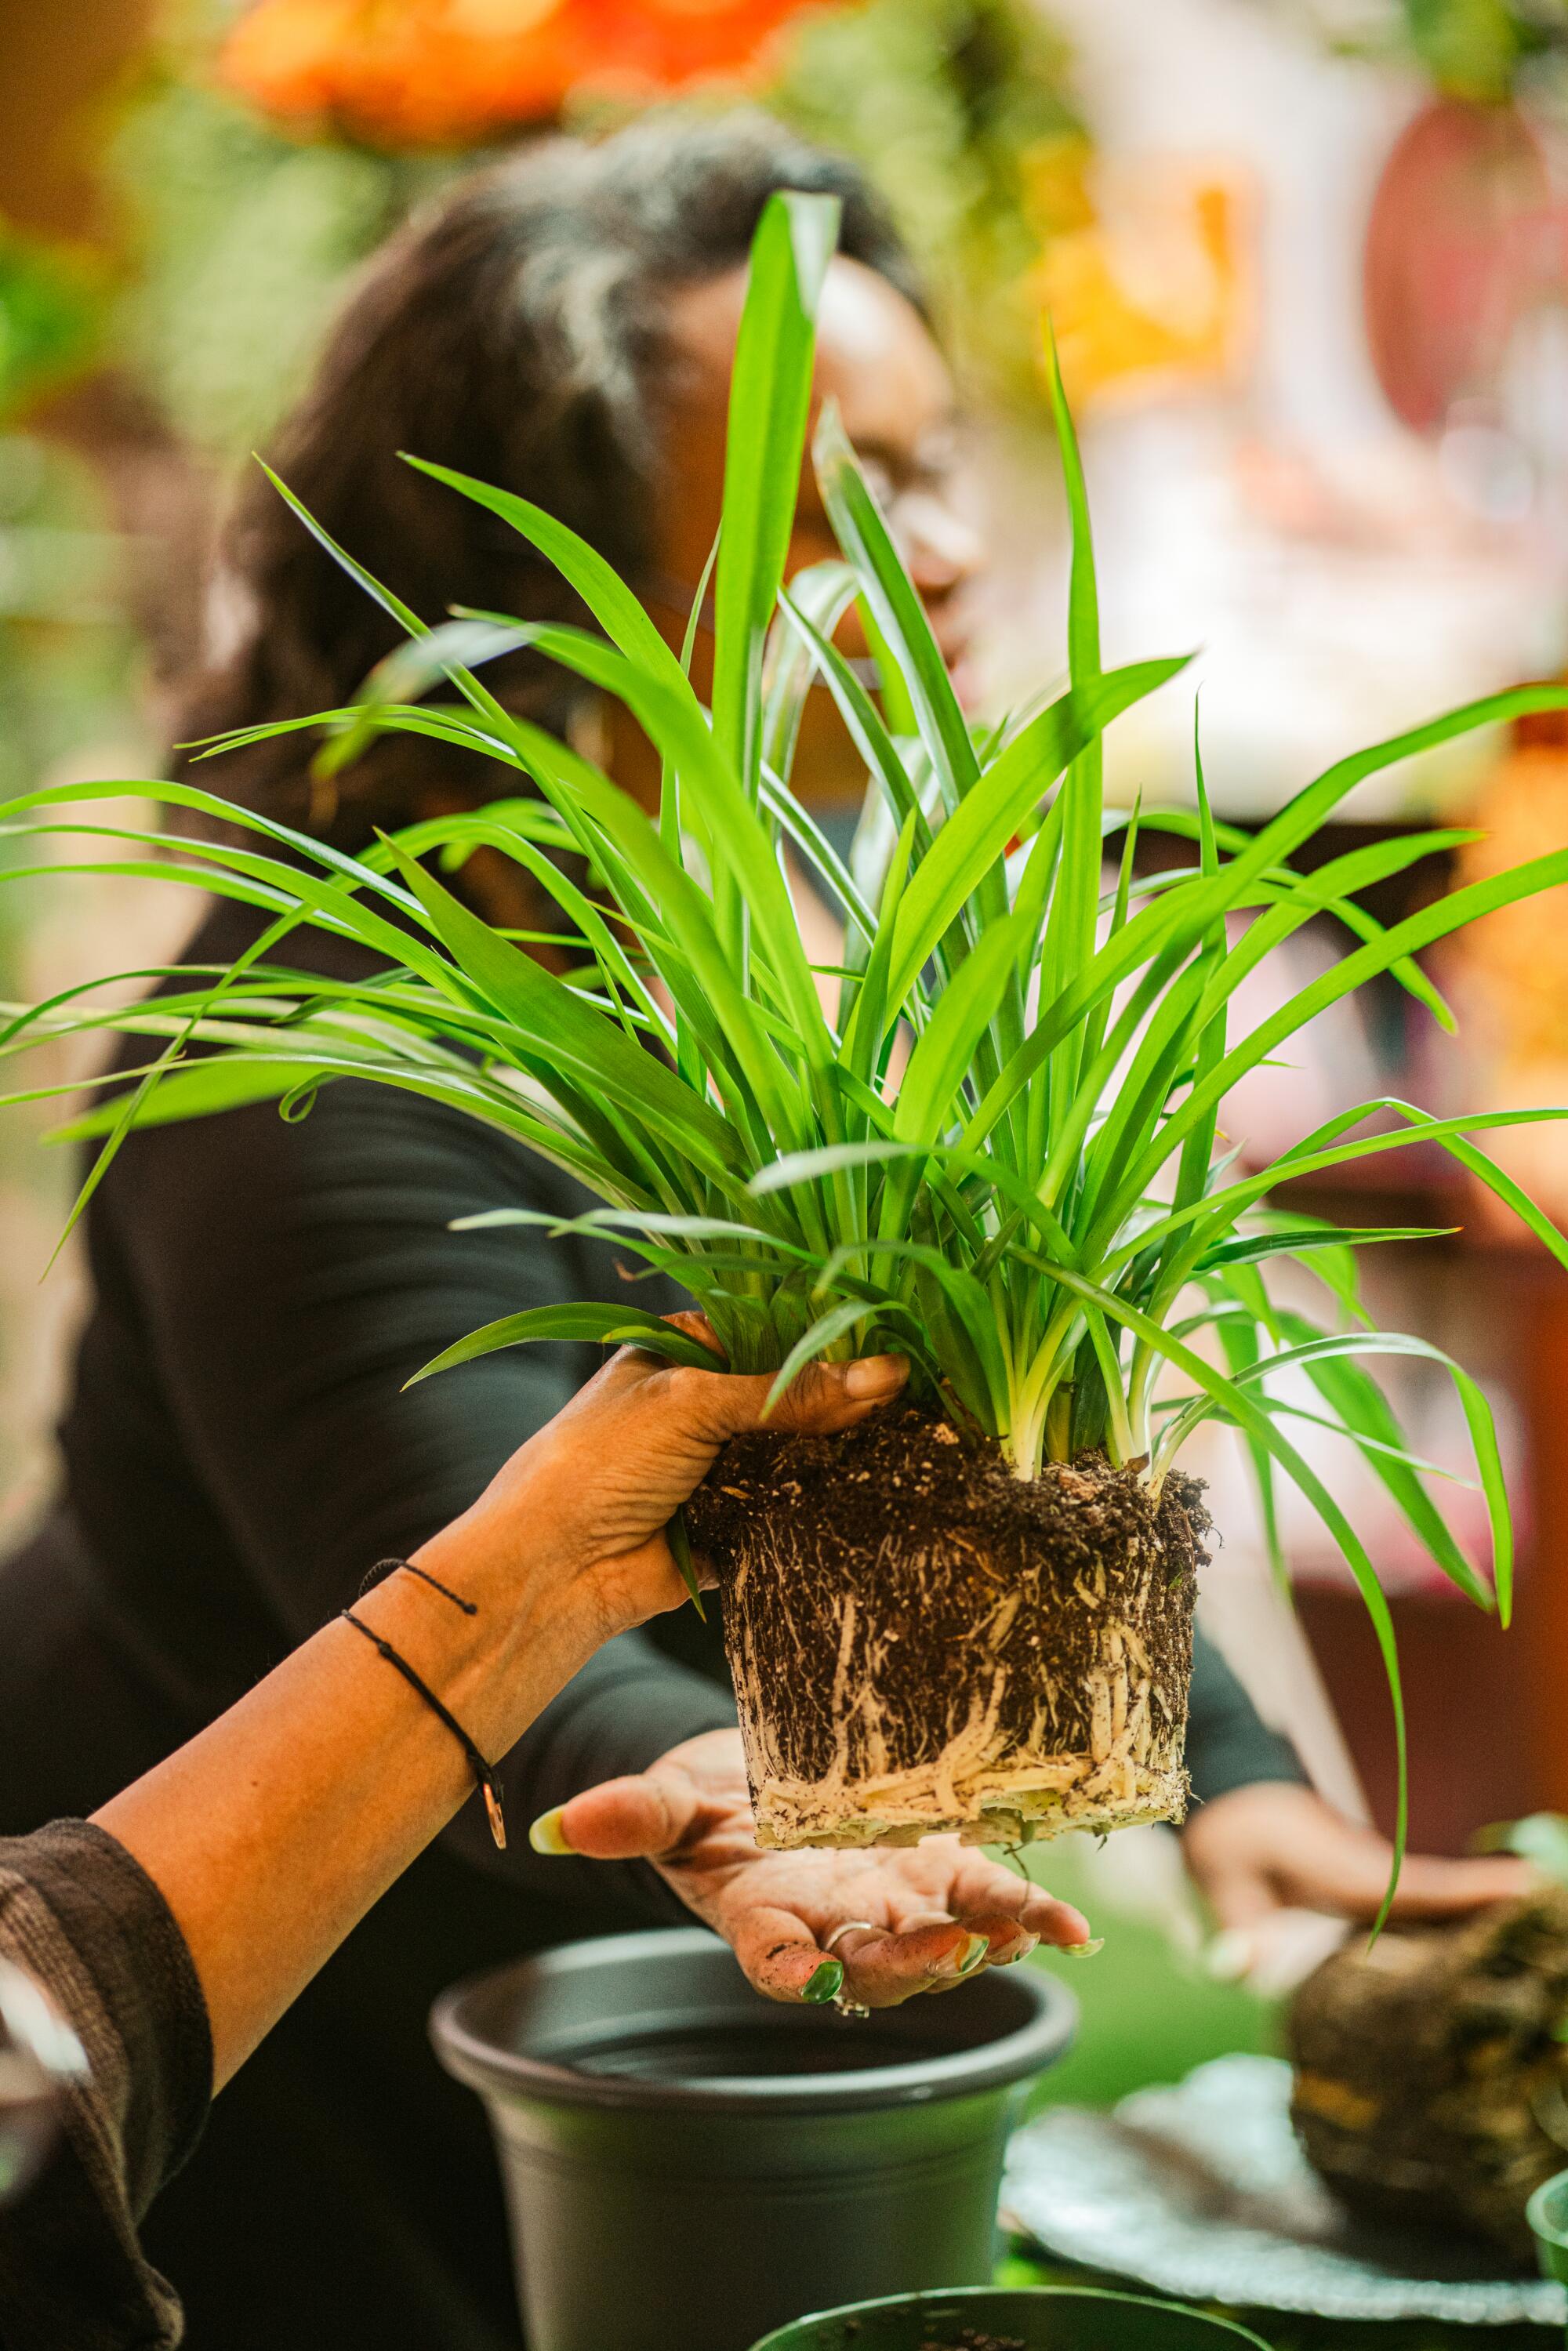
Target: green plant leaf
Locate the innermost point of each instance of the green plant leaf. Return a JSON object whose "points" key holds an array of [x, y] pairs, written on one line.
{"points": [[197, 1091], [608, 1326], [865, 728], [816, 1340], [895, 608], [593, 1048], [740, 841], [934, 1080], [975, 836], [618, 612], [680, 1544], [769, 398], [1293, 1240], [1363, 1408]]}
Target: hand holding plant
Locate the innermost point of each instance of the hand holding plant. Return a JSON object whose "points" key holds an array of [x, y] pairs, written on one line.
{"points": [[595, 1493]]}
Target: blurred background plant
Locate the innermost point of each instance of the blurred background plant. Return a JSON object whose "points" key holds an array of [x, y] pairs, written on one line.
{"points": [[67, 653], [57, 599], [1484, 51], [49, 313]]}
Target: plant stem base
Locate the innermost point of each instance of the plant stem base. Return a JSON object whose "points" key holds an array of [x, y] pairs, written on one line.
{"points": [[922, 1643]]}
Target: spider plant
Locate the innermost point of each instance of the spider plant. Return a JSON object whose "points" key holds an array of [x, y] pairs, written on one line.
{"points": [[988, 1138]]}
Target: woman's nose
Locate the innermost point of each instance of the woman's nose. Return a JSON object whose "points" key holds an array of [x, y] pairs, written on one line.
{"points": [[942, 549]]}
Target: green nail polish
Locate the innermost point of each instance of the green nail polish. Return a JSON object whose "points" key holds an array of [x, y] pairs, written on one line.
{"points": [[973, 1952], [547, 1836], [1082, 1951], [825, 1984]]}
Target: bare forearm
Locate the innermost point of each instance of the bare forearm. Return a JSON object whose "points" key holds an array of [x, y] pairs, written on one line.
{"points": [[272, 1833]]}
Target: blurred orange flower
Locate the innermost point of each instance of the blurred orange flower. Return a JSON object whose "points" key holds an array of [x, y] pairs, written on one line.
{"points": [[1143, 275], [441, 72]]}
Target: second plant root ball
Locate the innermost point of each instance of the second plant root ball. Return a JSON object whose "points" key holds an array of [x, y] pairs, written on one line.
{"points": [[1431, 2071]]}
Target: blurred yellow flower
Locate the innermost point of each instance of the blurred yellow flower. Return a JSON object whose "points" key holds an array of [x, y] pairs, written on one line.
{"points": [[1146, 289]]}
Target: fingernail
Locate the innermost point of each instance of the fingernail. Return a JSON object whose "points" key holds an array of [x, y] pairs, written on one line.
{"points": [[825, 1984], [875, 1376], [1229, 1956], [1020, 1951], [965, 1959], [1082, 1951], [547, 1834]]}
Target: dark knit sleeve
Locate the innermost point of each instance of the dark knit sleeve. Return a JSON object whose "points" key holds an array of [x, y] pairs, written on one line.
{"points": [[1228, 1744], [87, 1923]]}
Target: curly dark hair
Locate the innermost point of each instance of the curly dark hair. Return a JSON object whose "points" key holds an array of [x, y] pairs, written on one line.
{"points": [[512, 330]]}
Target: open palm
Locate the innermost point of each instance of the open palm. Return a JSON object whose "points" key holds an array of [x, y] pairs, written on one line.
{"points": [[922, 1918]]}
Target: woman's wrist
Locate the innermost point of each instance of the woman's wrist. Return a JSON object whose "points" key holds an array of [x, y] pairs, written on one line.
{"points": [[507, 1619]]}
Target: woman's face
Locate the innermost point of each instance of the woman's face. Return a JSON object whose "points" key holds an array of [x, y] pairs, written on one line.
{"points": [[877, 360]]}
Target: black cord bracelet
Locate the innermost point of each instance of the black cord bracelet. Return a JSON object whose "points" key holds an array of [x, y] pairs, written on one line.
{"points": [[484, 1777], [406, 1566]]}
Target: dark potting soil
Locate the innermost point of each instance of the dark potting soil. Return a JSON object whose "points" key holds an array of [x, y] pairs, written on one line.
{"points": [[933, 1534], [794, 2043], [970, 2339], [1431, 2083]]}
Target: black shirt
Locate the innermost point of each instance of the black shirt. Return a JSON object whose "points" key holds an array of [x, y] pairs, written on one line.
{"points": [[239, 1450]]}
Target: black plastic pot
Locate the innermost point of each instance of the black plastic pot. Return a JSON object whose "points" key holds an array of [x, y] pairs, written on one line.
{"points": [[1041, 2317], [688, 2165]]}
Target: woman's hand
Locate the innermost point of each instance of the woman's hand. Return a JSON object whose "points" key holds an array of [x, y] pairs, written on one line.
{"points": [[585, 1502], [928, 1916], [1263, 1855], [272, 1833]]}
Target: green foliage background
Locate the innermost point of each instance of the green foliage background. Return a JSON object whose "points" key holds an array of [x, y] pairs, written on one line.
{"points": [[1486, 51]]}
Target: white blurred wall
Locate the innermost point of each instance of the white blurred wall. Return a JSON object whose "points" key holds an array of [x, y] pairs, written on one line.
{"points": [[1284, 523]]}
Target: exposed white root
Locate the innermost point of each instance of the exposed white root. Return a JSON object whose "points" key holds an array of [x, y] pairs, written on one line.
{"points": [[1011, 1806], [985, 1784]]}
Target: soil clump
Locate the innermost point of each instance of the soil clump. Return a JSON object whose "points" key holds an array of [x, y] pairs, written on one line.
{"points": [[1431, 2070]]}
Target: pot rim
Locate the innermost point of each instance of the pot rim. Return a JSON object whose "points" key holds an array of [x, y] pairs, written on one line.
{"points": [[979, 2294], [1547, 2213], [474, 2058]]}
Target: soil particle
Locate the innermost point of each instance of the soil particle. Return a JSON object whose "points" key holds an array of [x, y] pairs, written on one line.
{"points": [[1430, 2072]]}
